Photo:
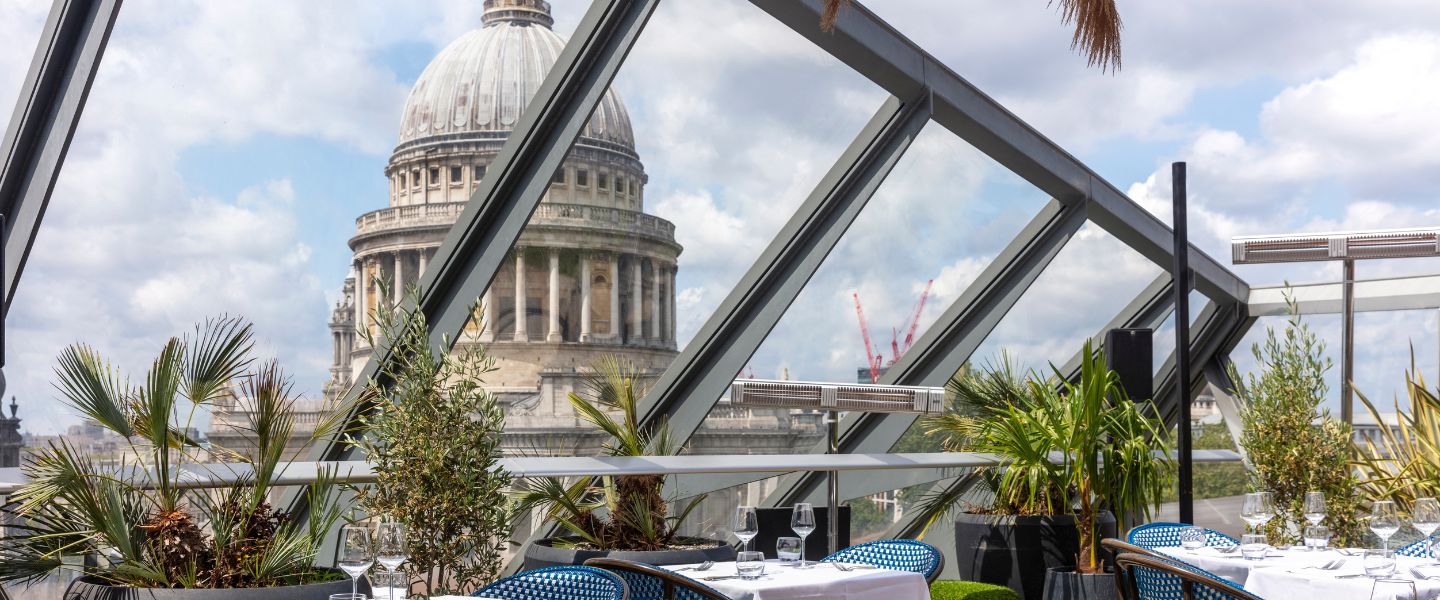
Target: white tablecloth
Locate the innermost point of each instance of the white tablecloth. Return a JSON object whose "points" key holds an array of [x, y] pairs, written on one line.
{"points": [[1283, 573], [822, 581]]}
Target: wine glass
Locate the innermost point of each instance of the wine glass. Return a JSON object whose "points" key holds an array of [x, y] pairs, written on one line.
{"points": [[1314, 507], [390, 549], [1258, 509], [1426, 518], [802, 521], [747, 525], [357, 553], [1384, 521]]}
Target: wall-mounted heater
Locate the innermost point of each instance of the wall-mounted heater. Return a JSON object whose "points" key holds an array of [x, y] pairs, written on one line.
{"points": [[836, 398]]}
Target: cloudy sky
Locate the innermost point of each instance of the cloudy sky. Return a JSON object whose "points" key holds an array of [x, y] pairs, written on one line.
{"points": [[228, 146]]}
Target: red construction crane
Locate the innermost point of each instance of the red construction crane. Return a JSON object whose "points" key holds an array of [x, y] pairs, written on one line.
{"points": [[872, 358]]}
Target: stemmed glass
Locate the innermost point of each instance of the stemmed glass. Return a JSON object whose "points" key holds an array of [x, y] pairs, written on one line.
{"points": [[1258, 509], [1427, 519], [1314, 507], [1384, 521], [391, 549], [747, 525], [357, 553], [802, 521]]}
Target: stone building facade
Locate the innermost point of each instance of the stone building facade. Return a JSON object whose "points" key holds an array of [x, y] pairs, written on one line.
{"points": [[11, 441]]}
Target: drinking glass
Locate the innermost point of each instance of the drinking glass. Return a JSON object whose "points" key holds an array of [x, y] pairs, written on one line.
{"points": [[1258, 509], [1427, 520], [747, 525], [1379, 563], [1384, 521], [357, 554], [1317, 537], [1314, 507], [1192, 537], [802, 521], [1393, 589], [1253, 546], [750, 565], [789, 549], [390, 549], [347, 597]]}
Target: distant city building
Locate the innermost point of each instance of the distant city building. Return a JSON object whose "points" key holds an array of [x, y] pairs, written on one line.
{"points": [[10, 439], [592, 275]]}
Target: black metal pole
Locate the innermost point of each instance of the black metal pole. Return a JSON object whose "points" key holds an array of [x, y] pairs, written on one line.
{"points": [[1182, 280]]}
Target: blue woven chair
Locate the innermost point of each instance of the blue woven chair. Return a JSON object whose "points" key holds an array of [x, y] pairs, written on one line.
{"points": [[1143, 582], [1416, 549], [649, 582], [1159, 535], [899, 555], [558, 583]]}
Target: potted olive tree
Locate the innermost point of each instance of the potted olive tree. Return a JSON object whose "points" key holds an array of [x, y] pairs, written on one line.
{"points": [[149, 531], [623, 517], [1078, 455], [432, 438]]}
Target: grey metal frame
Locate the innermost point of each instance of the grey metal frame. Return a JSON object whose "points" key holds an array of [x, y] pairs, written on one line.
{"points": [[44, 121]]}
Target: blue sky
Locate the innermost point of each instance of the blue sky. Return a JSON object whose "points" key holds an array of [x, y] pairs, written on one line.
{"points": [[228, 147]]}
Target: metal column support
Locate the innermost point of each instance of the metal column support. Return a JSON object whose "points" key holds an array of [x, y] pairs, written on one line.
{"points": [[1347, 343], [44, 121], [694, 382], [472, 252], [1181, 275]]}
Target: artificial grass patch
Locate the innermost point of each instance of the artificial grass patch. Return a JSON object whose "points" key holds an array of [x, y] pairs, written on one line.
{"points": [[970, 590]]}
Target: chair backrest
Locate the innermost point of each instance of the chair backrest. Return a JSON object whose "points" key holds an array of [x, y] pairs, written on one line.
{"points": [[900, 555], [1417, 549], [1159, 535], [1155, 577], [649, 582], [558, 583]]}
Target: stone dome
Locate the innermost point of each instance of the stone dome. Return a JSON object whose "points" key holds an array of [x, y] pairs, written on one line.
{"points": [[479, 85]]}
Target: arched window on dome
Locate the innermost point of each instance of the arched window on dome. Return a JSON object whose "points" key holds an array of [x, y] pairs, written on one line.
{"points": [[602, 181], [457, 175], [559, 177], [582, 178], [434, 176], [414, 178]]}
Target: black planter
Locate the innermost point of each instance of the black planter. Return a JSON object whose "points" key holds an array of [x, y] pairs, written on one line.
{"points": [[1066, 584], [87, 588], [1016, 551], [544, 553]]}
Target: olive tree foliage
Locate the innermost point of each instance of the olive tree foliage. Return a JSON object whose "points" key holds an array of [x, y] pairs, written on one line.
{"points": [[1293, 445], [433, 440]]}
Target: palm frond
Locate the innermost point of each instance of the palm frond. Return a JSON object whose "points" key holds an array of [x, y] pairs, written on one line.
{"points": [[91, 387], [218, 352], [1097, 30]]}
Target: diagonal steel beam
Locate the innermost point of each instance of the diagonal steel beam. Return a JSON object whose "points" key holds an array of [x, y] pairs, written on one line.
{"points": [[483, 234], [1218, 329], [696, 379], [46, 115], [1148, 309], [953, 338], [880, 53]]}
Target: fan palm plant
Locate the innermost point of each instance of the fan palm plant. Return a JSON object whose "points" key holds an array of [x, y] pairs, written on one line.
{"points": [[1097, 27], [154, 531], [627, 512]]}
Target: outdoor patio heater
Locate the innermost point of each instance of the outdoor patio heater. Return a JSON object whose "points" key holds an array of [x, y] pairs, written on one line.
{"points": [[1346, 247], [834, 399]]}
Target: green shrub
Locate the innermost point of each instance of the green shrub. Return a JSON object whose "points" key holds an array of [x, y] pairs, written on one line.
{"points": [[970, 590]]}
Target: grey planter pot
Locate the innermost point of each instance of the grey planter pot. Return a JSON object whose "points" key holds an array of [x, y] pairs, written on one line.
{"points": [[1066, 584], [86, 588], [1016, 551], [543, 553]]}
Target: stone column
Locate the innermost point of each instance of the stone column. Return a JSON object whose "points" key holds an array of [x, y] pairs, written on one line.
{"points": [[398, 281], [553, 335], [670, 289], [520, 309], [585, 297], [487, 329], [637, 299], [424, 261], [615, 297], [360, 293], [655, 278]]}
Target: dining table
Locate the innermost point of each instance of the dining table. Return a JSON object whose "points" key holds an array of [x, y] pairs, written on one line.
{"points": [[1301, 574], [788, 581]]}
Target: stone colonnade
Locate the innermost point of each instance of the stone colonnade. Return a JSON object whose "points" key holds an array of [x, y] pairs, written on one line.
{"points": [[660, 286]]}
